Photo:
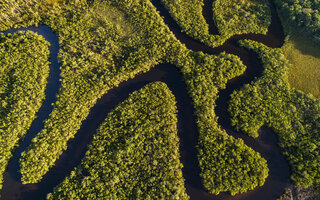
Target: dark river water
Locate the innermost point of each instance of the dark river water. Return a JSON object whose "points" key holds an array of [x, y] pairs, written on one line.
{"points": [[265, 144]]}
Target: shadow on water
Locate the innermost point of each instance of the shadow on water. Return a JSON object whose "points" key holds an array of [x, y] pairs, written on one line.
{"points": [[266, 144], [208, 16]]}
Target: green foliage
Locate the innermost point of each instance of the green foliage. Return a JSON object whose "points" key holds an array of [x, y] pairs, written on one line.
{"points": [[231, 17], [134, 155], [24, 69], [287, 195], [188, 14], [108, 42], [230, 165], [241, 16], [303, 14], [226, 163], [23, 13], [18, 12], [96, 55], [292, 114]]}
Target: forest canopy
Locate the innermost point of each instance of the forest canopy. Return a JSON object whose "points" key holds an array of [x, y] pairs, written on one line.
{"points": [[104, 43], [293, 115], [24, 69], [305, 15], [99, 51], [231, 17], [135, 153], [241, 16]]}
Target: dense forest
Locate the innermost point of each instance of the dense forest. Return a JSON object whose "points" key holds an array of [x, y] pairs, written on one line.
{"points": [[305, 15], [295, 116], [234, 17], [135, 153], [98, 51], [226, 163], [19, 13], [24, 69], [231, 17], [104, 43], [188, 14]]}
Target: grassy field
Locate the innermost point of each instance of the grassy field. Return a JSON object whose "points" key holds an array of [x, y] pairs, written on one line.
{"points": [[304, 55]]}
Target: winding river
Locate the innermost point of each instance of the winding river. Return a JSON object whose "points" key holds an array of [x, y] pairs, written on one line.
{"points": [[265, 144]]}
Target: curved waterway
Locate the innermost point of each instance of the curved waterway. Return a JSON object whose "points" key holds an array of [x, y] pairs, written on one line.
{"points": [[265, 144], [12, 184]]}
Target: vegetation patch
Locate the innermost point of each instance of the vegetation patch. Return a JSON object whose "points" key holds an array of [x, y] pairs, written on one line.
{"points": [[294, 115], [188, 14], [233, 17], [96, 55], [304, 55], [99, 51], [24, 69], [226, 163], [312, 192], [18, 12], [304, 15], [135, 153], [23, 13]]}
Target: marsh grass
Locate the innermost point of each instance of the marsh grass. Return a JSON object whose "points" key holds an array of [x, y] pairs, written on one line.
{"points": [[304, 55]]}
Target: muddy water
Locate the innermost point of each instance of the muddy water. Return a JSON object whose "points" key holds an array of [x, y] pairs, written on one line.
{"points": [[266, 144]]}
